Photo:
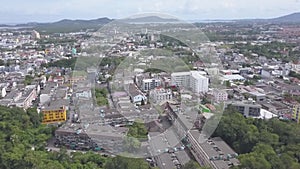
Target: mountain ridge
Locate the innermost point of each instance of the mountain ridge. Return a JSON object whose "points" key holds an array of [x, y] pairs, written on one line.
{"points": [[69, 25]]}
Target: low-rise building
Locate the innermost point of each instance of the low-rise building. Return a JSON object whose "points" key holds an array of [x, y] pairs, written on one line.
{"points": [[84, 94], [160, 94], [22, 98], [247, 108], [136, 96], [2, 90], [220, 95], [149, 84], [214, 152], [296, 113], [54, 113]]}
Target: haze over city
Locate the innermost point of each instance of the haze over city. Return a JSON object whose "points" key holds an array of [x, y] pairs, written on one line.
{"points": [[160, 84], [18, 11]]}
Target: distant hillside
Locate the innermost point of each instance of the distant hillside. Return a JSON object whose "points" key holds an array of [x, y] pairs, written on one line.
{"points": [[68, 25], [292, 18], [149, 19], [65, 25]]}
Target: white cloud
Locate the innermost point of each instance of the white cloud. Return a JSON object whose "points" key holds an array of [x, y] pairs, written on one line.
{"points": [[184, 9]]}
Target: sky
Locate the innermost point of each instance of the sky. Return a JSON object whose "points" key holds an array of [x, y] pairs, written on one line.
{"points": [[20, 11]]}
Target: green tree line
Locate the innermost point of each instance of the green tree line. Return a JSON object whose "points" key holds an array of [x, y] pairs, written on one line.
{"points": [[262, 144]]}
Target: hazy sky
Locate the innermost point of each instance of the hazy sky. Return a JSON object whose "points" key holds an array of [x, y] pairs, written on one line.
{"points": [[20, 11]]}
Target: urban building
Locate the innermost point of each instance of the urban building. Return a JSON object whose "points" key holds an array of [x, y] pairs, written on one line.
{"points": [[296, 113], [28, 95], [74, 139], [54, 114], [136, 96], [214, 152], [193, 80], [22, 98], [159, 95], [35, 35], [181, 79], [149, 84], [3, 90], [198, 82], [220, 95], [247, 108], [84, 94]]}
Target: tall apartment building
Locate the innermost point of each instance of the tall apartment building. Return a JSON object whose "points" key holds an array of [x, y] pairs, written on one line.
{"points": [[193, 80], [35, 34]]}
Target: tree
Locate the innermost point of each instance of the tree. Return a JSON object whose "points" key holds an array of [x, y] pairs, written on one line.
{"points": [[205, 100], [268, 138], [138, 130], [261, 143], [35, 117], [227, 83], [248, 82], [254, 161], [28, 80], [126, 163], [132, 144]]}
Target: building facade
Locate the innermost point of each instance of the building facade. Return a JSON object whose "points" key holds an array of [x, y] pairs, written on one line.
{"points": [[192, 80], [296, 113], [181, 79], [54, 114], [149, 84], [214, 152], [248, 109], [220, 95], [160, 94]]}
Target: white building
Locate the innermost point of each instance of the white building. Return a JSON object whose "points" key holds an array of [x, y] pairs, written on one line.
{"points": [[149, 84], [198, 82], [193, 80], [84, 94], [212, 71], [145, 82], [136, 96], [3, 90], [295, 66], [181, 79], [160, 94], [35, 35], [220, 95]]}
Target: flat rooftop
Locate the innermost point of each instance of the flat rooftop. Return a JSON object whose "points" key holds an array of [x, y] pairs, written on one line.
{"points": [[217, 150]]}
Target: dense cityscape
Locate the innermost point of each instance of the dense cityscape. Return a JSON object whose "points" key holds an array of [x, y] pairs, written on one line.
{"points": [[151, 92]]}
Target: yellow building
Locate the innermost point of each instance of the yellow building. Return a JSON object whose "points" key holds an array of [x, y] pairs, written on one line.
{"points": [[54, 114], [296, 113]]}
